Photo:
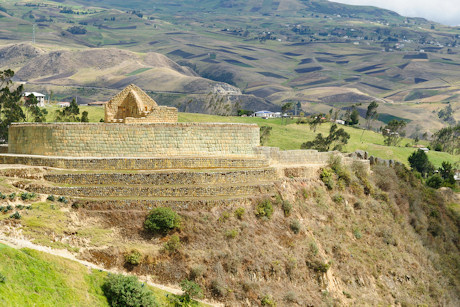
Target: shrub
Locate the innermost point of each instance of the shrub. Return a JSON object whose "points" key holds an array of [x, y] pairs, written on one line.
{"points": [[173, 244], [319, 267], [434, 181], [197, 272], [267, 300], [287, 207], [8, 208], [19, 207], [327, 178], [51, 198], [264, 209], [15, 215], [231, 234], [134, 257], [2, 278], [28, 196], [239, 212], [191, 289], [162, 220], [123, 290], [357, 233], [63, 200], [337, 198], [218, 288], [12, 196], [295, 226], [290, 297], [2, 196]]}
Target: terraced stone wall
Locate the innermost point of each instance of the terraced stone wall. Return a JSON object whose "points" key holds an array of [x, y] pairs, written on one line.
{"points": [[130, 163], [133, 140]]}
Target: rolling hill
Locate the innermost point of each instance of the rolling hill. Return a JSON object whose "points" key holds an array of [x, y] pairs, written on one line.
{"points": [[320, 53]]}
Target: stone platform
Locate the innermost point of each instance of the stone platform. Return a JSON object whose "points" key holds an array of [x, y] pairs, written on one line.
{"points": [[133, 140]]}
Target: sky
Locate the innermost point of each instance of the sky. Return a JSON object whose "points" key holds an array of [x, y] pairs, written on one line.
{"points": [[443, 11]]}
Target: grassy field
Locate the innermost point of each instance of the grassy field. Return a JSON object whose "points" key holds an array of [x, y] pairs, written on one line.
{"points": [[35, 278], [291, 135]]}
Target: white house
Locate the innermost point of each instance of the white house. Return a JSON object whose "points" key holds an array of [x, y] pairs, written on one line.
{"points": [[40, 97], [267, 114]]}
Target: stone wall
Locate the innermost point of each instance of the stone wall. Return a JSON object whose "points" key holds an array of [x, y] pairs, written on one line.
{"points": [[133, 140], [165, 177], [133, 163], [158, 115], [293, 157]]}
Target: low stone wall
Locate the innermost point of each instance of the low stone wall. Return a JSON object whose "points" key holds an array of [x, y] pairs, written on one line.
{"points": [[293, 157], [168, 178], [133, 140], [133, 163]]}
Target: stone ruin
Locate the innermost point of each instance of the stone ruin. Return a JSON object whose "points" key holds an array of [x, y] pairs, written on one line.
{"points": [[133, 105]]}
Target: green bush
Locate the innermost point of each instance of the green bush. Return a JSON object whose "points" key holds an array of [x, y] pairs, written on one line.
{"points": [[239, 212], [19, 207], [319, 266], [231, 234], [287, 207], [434, 181], [162, 220], [51, 198], [172, 245], [2, 278], [134, 257], [190, 290], [63, 200], [2, 196], [123, 290], [267, 300], [16, 216], [264, 209], [28, 196], [337, 198], [295, 226], [327, 176], [12, 196]]}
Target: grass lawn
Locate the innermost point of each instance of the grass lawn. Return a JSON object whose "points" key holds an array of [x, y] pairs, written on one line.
{"points": [[34, 278], [291, 135]]}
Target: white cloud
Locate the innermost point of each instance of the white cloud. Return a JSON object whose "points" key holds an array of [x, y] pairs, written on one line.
{"points": [[443, 11]]}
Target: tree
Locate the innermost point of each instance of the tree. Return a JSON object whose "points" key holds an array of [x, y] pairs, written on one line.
{"points": [[190, 290], [33, 111], [10, 110], [352, 115], [336, 139], [69, 114], [265, 132], [84, 117], [162, 219], [371, 113], [447, 139], [418, 161], [315, 120], [287, 107], [124, 291], [446, 171], [393, 132]]}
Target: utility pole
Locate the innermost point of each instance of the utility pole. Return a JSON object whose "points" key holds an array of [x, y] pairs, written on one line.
{"points": [[33, 34]]}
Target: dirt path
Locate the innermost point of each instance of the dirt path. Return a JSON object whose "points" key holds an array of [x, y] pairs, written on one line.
{"points": [[22, 243]]}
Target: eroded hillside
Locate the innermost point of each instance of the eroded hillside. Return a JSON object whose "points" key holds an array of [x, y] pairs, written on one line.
{"points": [[348, 238]]}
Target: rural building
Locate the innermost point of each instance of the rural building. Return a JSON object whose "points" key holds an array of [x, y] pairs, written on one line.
{"points": [[267, 114], [40, 97], [97, 103], [64, 104]]}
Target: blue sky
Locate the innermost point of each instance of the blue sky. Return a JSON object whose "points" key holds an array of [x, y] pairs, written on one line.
{"points": [[442, 11]]}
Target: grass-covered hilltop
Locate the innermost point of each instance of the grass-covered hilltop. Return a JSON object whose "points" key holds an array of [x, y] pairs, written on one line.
{"points": [[136, 168]]}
